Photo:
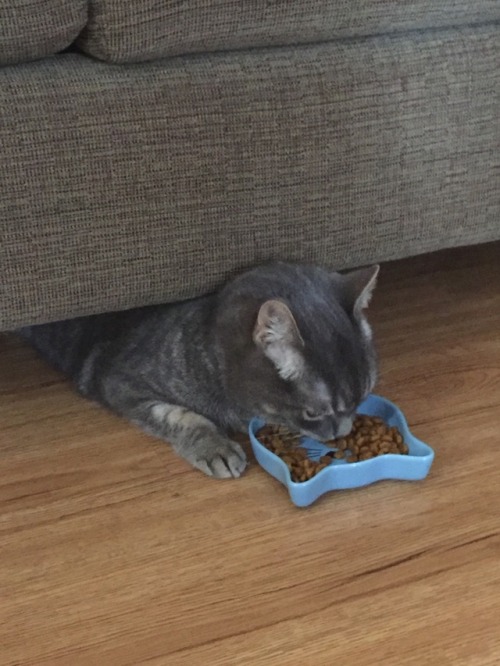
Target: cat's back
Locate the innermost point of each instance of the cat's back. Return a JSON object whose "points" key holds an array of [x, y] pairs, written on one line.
{"points": [[67, 344]]}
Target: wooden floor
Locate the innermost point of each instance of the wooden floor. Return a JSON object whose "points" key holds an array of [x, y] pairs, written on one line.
{"points": [[115, 552]]}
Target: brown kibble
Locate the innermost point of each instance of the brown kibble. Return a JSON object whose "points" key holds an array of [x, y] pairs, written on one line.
{"points": [[370, 437], [366, 455]]}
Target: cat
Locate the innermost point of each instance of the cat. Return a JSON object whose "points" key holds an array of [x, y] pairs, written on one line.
{"points": [[286, 342]]}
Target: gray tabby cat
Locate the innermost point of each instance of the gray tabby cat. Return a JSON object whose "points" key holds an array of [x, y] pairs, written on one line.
{"points": [[289, 343]]}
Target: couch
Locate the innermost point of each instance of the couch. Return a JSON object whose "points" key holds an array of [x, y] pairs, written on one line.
{"points": [[151, 149]]}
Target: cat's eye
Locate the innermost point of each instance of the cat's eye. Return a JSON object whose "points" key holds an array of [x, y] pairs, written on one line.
{"points": [[312, 415]]}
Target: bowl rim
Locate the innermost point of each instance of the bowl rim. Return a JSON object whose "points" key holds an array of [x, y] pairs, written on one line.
{"points": [[426, 457]]}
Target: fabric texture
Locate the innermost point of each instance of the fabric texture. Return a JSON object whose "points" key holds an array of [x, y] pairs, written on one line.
{"points": [[129, 185], [121, 32], [31, 29]]}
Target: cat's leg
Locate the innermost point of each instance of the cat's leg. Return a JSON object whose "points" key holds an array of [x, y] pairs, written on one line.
{"points": [[192, 436]]}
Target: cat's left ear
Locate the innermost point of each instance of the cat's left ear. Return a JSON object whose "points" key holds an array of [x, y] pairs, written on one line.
{"points": [[359, 286]]}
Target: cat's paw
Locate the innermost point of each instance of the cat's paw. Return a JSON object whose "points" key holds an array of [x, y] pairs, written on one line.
{"points": [[219, 457]]}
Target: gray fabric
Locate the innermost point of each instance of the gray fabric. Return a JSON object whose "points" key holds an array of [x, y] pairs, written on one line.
{"points": [[31, 29], [129, 185], [136, 31]]}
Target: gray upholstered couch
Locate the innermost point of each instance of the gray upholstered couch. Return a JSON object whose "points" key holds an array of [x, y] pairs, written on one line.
{"points": [[149, 149]]}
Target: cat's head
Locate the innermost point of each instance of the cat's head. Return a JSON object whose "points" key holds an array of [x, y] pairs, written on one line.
{"points": [[311, 358]]}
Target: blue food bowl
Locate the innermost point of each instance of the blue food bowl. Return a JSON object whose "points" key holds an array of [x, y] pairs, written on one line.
{"points": [[340, 474]]}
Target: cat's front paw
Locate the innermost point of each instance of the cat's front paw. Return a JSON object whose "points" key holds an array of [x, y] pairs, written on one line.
{"points": [[219, 457]]}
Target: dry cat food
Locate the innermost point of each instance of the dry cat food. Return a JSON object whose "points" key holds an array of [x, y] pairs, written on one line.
{"points": [[370, 437]]}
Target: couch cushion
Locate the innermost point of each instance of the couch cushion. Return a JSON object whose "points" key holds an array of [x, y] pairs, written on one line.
{"points": [[129, 185], [31, 29], [121, 31]]}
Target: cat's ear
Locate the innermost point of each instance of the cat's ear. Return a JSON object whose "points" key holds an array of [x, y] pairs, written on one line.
{"points": [[359, 286], [277, 334]]}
